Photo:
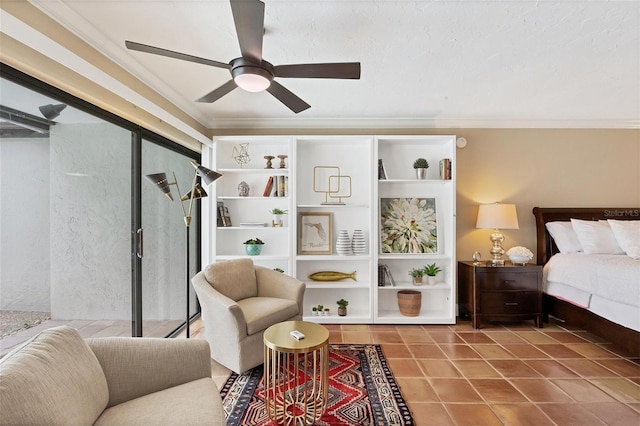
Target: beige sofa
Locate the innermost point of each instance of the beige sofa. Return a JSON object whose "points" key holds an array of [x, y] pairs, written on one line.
{"points": [[239, 301], [59, 378]]}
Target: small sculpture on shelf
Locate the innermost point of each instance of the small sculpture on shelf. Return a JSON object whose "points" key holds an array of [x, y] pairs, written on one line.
{"points": [[282, 163], [243, 189], [241, 154], [269, 158]]}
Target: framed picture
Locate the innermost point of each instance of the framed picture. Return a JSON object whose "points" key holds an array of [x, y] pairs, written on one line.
{"points": [[408, 225], [314, 233]]}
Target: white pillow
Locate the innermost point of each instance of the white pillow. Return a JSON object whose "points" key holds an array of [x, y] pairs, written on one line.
{"points": [[627, 233], [596, 237], [564, 236]]}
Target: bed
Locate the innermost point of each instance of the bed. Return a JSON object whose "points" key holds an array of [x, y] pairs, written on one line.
{"points": [[599, 293]]}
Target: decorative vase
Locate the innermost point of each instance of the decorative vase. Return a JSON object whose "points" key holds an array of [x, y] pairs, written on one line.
{"points": [[343, 244], [358, 244], [431, 279], [253, 249], [421, 173], [409, 302]]}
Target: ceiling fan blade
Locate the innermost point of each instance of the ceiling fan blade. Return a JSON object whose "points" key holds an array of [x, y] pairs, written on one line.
{"points": [[216, 94], [287, 97], [248, 16], [349, 70], [132, 45]]}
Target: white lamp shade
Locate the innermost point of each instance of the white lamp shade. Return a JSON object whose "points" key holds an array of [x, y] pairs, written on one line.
{"points": [[497, 216]]}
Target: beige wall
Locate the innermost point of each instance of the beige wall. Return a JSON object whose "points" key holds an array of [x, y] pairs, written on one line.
{"points": [[529, 168], [542, 167]]}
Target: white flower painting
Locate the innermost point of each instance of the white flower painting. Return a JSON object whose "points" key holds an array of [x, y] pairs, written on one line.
{"points": [[408, 225]]}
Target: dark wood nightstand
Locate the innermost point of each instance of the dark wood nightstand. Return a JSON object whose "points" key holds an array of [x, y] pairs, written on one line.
{"points": [[500, 293]]}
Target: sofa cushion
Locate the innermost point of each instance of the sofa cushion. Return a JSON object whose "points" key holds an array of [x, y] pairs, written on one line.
{"points": [[263, 312], [193, 403], [235, 278], [52, 379]]}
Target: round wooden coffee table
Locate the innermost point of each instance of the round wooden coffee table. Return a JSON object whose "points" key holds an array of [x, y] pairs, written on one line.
{"points": [[296, 372]]}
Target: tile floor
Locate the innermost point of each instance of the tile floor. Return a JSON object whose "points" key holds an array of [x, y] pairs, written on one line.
{"points": [[501, 375]]}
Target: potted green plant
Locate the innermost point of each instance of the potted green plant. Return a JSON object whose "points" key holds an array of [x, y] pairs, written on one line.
{"points": [[431, 271], [421, 165], [253, 246], [277, 217], [417, 274], [342, 307]]}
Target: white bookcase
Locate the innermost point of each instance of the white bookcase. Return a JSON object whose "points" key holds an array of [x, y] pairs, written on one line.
{"points": [[337, 177], [398, 154], [227, 241]]}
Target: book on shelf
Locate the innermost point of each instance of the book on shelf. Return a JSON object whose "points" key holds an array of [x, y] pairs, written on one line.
{"points": [[382, 173], [387, 273], [384, 276], [281, 186], [219, 220], [445, 169], [268, 187], [223, 214]]}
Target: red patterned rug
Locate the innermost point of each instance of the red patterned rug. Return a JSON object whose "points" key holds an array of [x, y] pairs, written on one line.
{"points": [[362, 391]]}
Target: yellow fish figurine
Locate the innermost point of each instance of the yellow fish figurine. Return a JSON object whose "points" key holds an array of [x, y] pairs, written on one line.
{"points": [[331, 276]]}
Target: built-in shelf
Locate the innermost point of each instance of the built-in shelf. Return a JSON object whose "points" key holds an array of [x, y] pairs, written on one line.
{"points": [[360, 209]]}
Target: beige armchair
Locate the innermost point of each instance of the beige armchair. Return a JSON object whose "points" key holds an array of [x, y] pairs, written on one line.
{"points": [[239, 301]]}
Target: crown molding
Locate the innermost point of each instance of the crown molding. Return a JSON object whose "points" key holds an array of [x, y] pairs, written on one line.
{"points": [[413, 123]]}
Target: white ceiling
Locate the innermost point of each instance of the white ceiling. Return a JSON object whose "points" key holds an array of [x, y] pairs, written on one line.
{"points": [[515, 63]]}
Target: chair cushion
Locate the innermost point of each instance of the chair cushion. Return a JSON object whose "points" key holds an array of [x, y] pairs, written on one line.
{"points": [[52, 379], [235, 278], [262, 312], [193, 403]]}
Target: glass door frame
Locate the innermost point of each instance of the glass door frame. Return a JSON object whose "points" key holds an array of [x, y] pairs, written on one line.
{"points": [[138, 133]]}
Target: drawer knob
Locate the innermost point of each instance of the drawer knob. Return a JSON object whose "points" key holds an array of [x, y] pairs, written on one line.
{"points": [[509, 281], [511, 303]]}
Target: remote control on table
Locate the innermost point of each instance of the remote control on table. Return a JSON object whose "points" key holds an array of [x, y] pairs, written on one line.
{"points": [[297, 335]]}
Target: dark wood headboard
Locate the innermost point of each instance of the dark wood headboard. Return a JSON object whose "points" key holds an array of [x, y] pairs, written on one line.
{"points": [[547, 248]]}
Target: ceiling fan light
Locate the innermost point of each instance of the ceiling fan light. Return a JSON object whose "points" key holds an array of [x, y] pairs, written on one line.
{"points": [[252, 79]]}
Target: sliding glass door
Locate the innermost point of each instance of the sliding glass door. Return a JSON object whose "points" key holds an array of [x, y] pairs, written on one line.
{"points": [[85, 239], [165, 279]]}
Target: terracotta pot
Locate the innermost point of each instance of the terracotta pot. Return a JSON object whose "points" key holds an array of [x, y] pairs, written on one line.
{"points": [[410, 302]]}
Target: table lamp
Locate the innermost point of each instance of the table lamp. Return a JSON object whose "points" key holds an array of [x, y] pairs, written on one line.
{"points": [[497, 216]]}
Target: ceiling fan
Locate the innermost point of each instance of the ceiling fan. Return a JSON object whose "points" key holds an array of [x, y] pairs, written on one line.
{"points": [[252, 73]]}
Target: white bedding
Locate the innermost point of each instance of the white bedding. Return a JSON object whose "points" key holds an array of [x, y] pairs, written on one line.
{"points": [[607, 285]]}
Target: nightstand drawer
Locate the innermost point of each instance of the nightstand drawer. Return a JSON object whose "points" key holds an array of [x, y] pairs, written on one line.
{"points": [[509, 302], [505, 280]]}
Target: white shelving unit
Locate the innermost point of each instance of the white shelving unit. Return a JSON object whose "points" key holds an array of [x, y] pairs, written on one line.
{"points": [[357, 158], [398, 154], [254, 208], [353, 155]]}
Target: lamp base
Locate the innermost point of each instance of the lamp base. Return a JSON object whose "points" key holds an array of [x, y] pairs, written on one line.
{"points": [[496, 250]]}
